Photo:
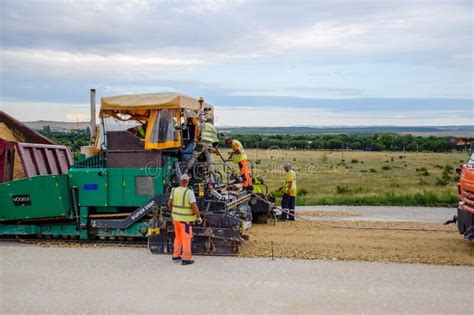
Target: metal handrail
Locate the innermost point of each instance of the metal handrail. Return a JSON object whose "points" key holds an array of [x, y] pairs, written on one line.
{"points": [[96, 161]]}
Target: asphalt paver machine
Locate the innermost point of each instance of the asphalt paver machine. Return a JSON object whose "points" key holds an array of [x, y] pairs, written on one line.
{"points": [[119, 189]]}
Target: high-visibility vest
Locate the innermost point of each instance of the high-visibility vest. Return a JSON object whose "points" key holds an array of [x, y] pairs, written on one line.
{"points": [[290, 176], [140, 131], [238, 157], [182, 210], [257, 185], [209, 133]]}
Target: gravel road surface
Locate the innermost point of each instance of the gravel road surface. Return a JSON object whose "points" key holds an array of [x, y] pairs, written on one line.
{"points": [[372, 213], [130, 280]]}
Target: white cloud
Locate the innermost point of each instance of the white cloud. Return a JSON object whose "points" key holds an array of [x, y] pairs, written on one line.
{"points": [[240, 29], [235, 48], [302, 92], [207, 6], [406, 29], [67, 65], [30, 111]]}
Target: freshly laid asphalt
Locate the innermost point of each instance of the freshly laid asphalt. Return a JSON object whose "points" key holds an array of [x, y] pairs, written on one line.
{"points": [[131, 280]]}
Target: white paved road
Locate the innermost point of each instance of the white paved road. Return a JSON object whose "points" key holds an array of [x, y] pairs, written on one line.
{"points": [[130, 280]]}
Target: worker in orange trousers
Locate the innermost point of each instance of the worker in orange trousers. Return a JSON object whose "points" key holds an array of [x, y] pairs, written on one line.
{"points": [[184, 210], [239, 157]]}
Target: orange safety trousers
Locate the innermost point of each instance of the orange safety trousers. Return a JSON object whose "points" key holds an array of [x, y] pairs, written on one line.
{"points": [[183, 232], [244, 171]]}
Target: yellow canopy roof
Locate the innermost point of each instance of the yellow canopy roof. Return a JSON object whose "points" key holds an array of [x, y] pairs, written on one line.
{"points": [[150, 101]]}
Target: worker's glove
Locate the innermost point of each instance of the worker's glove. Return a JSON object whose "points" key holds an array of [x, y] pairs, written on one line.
{"points": [[199, 220]]}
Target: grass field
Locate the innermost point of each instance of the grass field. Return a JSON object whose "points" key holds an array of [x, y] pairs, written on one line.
{"points": [[365, 178]]}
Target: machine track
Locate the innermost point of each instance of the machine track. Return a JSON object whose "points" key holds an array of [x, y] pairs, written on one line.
{"points": [[82, 243]]}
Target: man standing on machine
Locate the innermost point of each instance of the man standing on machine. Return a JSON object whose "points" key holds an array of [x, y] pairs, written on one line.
{"points": [[239, 157], [184, 210], [207, 141]]}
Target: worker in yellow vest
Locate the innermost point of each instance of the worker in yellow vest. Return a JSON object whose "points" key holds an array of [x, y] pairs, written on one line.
{"points": [[206, 142], [289, 194], [139, 130], [239, 157], [184, 210]]}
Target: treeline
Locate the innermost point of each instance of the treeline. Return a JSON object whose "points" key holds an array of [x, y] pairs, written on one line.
{"points": [[368, 142], [74, 139]]}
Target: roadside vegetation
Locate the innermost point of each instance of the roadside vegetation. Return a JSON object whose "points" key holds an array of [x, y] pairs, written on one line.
{"points": [[367, 142], [73, 139]]}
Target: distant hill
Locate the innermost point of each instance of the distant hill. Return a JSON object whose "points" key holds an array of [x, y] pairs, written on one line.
{"points": [[57, 125], [416, 130]]}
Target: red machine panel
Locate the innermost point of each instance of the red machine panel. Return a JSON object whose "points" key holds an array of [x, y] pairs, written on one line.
{"points": [[43, 159], [7, 154]]}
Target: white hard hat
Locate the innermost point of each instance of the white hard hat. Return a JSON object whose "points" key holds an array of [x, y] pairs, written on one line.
{"points": [[184, 177]]}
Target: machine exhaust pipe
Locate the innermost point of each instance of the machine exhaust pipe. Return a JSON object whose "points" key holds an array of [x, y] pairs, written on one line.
{"points": [[93, 124]]}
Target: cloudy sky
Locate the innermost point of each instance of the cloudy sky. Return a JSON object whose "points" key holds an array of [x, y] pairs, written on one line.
{"points": [[259, 62]]}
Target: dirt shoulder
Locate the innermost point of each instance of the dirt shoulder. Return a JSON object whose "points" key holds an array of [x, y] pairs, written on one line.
{"points": [[306, 240]]}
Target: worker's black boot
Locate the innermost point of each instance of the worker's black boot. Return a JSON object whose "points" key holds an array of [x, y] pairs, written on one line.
{"points": [[291, 217], [176, 259], [187, 262]]}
